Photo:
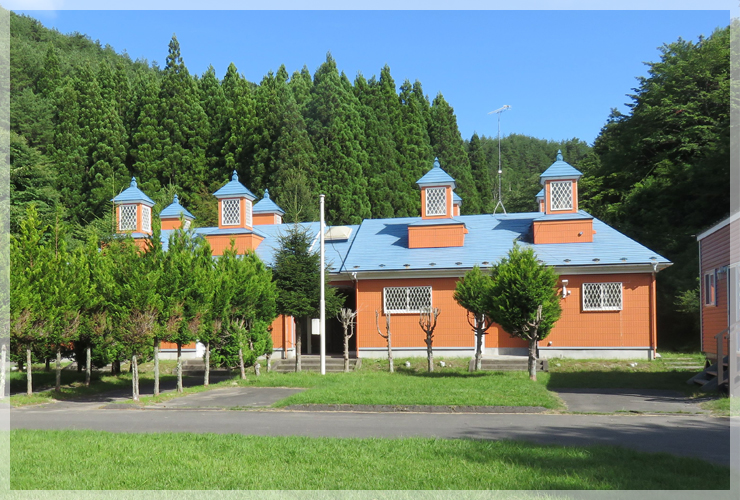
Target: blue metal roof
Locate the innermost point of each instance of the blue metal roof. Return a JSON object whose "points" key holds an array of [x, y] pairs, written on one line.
{"points": [[234, 188], [133, 194], [174, 209], [382, 245], [266, 205], [436, 177], [560, 169], [456, 200], [580, 215]]}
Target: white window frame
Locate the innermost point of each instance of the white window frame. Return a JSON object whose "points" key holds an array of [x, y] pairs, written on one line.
{"points": [[146, 219], [120, 218], [602, 287], [248, 212], [407, 290], [238, 212], [552, 198], [710, 288], [444, 197]]}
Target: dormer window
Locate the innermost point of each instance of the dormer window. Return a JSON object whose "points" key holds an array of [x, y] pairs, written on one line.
{"points": [[146, 219], [561, 195], [230, 212], [436, 201], [127, 218]]}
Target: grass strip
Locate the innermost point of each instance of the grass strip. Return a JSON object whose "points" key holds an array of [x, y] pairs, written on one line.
{"points": [[40, 460]]}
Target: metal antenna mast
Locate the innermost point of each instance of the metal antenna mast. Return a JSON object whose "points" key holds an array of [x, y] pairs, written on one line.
{"points": [[500, 200]]}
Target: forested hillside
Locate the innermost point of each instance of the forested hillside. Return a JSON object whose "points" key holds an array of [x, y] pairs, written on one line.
{"points": [[85, 119]]}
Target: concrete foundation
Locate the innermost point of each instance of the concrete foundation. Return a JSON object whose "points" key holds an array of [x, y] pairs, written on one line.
{"points": [[643, 353]]}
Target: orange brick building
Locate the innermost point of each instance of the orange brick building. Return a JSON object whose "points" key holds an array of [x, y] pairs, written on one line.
{"points": [[398, 266]]}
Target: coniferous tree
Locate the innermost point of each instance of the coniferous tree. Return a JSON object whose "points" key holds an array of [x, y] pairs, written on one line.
{"points": [[300, 85], [51, 76], [448, 147], [183, 124], [336, 133], [481, 173], [237, 150], [214, 103]]}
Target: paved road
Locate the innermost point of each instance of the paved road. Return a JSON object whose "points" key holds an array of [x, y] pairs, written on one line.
{"points": [[628, 400], [688, 435]]}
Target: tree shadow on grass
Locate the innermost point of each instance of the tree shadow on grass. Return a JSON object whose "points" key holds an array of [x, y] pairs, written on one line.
{"points": [[442, 374], [669, 380]]}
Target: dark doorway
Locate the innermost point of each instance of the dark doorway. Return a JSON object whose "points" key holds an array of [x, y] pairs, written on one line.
{"points": [[334, 330]]}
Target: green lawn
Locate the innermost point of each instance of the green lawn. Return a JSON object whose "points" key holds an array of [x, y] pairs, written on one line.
{"points": [[618, 374], [724, 406], [40, 460], [452, 385]]}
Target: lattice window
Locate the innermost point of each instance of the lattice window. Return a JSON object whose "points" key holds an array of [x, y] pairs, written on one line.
{"points": [[230, 212], [602, 296], [436, 201], [146, 219], [127, 218], [561, 195], [406, 299], [248, 212]]}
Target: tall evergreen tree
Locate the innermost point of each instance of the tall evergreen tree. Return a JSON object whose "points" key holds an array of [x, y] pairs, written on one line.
{"points": [[51, 77], [336, 132], [481, 172], [216, 106], [448, 147]]}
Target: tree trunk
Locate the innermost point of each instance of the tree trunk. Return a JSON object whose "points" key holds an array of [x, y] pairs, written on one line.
{"points": [[88, 365], [207, 376], [532, 364], [257, 369], [298, 345], [58, 385], [179, 367], [115, 367], [478, 346], [2, 372], [134, 379], [242, 373], [390, 351], [47, 368], [430, 355], [156, 367], [29, 376], [268, 358], [346, 351]]}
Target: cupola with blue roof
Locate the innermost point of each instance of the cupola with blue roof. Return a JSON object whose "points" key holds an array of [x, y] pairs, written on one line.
{"points": [[267, 211], [436, 193], [540, 199], [173, 214], [234, 205], [456, 204], [560, 183], [134, 211]]}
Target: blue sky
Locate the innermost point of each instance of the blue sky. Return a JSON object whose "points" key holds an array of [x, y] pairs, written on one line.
{"points": [[560, 71]]}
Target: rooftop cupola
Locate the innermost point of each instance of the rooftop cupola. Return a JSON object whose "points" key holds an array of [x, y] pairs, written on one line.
{"points": [[173, 214], [267, 211], [540, 199], [134, 211], [560, 182], [437, 227], [561, 221], [234, 205], [456, 204], [436, 193]]}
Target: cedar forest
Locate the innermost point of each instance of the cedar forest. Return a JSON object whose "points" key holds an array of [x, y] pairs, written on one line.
{"points": [[85, 119]]}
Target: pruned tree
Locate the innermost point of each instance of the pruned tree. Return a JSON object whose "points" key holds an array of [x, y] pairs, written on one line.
{"points": [[142, 323], [387, 336], [472, 292], [524, 299], [428, 322], [347, 318]]}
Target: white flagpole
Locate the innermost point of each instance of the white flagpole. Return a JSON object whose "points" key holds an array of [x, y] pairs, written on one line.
{"points": [[322, 300]]}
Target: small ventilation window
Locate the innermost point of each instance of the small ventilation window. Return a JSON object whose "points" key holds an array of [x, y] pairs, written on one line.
{"points": [[436, 201], [561, 195], [146, 219], [710, 289], [127, 218], [230, 212]]}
